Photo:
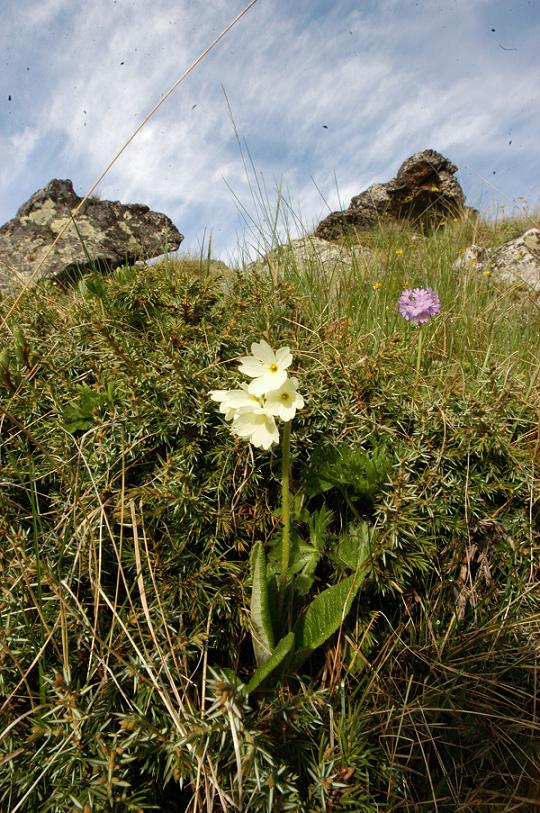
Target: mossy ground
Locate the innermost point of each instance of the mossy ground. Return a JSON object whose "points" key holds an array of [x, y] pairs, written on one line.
{"points": [[128, 511]]}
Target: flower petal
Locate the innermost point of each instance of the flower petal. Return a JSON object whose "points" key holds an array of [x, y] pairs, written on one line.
{"points": [[262, 350], [267, 383], [250, 366], [284, 357], [284, 402], [257, 426]]}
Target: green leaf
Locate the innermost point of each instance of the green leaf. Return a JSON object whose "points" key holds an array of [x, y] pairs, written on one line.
{"points": [[21, 345], [353, 470], [93, 286], [308, 554], [304, 555], [282, 650], [318, 523], [305, 565], [304, 558], [262, 632], [79, 414], [354, 548], [324, 616], [4, 360]]}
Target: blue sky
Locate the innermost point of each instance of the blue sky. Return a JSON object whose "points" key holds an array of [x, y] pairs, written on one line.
{"points": [[328, 96]]}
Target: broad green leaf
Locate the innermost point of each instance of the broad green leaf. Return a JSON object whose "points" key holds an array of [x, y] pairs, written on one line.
{"points": [[282, 650], [324, 616], [304, 556], [354, 548], [262, 631]]}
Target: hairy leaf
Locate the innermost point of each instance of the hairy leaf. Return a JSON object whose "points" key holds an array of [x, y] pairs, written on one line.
{"points": [[282, 650], [324, 616], [261, 621]]}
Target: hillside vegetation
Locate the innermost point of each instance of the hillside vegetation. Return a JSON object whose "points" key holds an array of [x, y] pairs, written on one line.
{"points": [[128, 512]]}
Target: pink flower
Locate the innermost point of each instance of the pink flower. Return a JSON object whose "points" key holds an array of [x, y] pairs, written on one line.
{"points": [[419, 304]]}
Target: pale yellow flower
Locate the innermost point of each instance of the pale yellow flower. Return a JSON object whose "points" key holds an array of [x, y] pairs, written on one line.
{"points": [[232, 402], [284, 402], [258, 426], [268, 369]]}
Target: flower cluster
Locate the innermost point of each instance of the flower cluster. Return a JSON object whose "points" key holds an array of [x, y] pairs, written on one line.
{"points": [[253, 409], [419, 304]]}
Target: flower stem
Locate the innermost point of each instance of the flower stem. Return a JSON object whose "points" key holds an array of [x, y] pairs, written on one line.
{"points": [[285, 513], [419, 351]]}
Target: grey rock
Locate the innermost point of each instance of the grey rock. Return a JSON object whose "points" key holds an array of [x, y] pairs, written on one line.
{"points": [[424, 192], [515, 261], [105, 235], [312, 255], [474, 257]]}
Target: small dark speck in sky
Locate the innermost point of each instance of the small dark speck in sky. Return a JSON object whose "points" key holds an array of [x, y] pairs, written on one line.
{"points": [[509, 142], [9, 97], [494, 172], [193, 106], [325, 126], [493, 30]]}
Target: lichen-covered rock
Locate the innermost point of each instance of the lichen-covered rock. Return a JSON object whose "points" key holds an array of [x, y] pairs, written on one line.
{"points": [[105, 234], [515, 261], [424, 192]]}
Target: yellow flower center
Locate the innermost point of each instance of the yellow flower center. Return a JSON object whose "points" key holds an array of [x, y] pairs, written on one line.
{"points": [[273, 368], [284, 396]]}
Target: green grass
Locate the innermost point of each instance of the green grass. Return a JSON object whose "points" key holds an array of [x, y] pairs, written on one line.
{"points": [[128, 512]]}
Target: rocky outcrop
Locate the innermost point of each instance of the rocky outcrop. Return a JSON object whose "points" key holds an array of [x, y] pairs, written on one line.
{"points": [[424, 192], [104, 235], [312, 255], [515, 261]]}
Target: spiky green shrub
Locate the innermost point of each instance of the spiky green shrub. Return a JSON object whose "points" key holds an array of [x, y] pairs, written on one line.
{"points": [[128, 514]]}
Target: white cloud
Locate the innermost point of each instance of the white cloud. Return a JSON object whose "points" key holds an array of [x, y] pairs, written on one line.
{"points": [[331, 92]]}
